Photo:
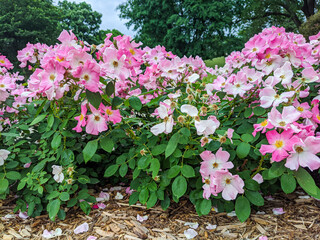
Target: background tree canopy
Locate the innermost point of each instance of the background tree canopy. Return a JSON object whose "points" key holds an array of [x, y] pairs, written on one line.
{"points": [[211, 28]]}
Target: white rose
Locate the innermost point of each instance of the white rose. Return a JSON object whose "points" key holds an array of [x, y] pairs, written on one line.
{"points": [[3, 155]]}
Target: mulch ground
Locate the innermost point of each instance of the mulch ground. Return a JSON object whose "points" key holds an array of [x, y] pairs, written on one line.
{"points": [[118, 220]]}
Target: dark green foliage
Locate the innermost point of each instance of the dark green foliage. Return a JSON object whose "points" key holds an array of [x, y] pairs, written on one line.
{"points": [[191, 27], [24, 21]]}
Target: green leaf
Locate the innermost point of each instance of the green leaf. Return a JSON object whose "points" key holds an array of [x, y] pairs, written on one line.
{"points": [[154, 167], [276, 170], [107, 144], [13, 175], [53, 209], [50, 120], [123, 170], [174, 171], [86, 208], [247, 112], [213, 146], [152, 200], [67, 157], [143, 196], [56, 141], [134, 197], [187, 171], [205, 206], [179, 186], [144, 162], [31, 207], [242, 208], [94, 98], [135, 103], [110, 88], [38, 119], [247, 137], [306, 182], [159, 149], [288, 183], [64, 196], [165, 203], [53, 195], [258, 111], [111, 170], [255, 198], [252, 185], [89, 150], [4, 184], [172, 144], [243, 150], [185, 131]]}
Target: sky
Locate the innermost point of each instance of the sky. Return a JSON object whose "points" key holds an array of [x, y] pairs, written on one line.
{"points": [[110, 16]]}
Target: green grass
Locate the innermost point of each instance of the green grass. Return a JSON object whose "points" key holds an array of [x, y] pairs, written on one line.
{"points": [[219, 61]]}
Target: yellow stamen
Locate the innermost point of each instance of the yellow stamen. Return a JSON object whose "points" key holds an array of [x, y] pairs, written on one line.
{"points": [[264, 123], [279, 144]]}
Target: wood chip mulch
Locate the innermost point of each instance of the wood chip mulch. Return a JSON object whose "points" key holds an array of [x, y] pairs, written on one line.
{"points": [[118, 220]]}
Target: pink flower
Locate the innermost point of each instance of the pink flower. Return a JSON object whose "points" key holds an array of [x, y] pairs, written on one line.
{"points": [[263, 126], [214, 162], [303, 108], [280, 144], [164, 127], [230, 134], [229, 185], [96, 122], [289, 115], [81, 119], [89, 75], [111, 115], [208, 187], [284, 74], [304, 154], [309, 75]]}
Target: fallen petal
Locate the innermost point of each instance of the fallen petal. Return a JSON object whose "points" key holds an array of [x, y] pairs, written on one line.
{"points": [[142, 218], [81, 228], [278, 211], [190, 233], [192, 225], [211, 227], [119, 196]]}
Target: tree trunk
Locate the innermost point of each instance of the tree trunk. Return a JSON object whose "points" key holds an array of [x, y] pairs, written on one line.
{"points": [[308, 7]]}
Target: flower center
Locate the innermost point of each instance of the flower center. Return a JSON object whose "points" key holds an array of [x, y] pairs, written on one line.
{"points": [[207, 181], [132, 51], [115, 64], [228, 181], [254, 49], [86, 77], [52, 77], [2, 61], [282, 123], [299, 149], [318, 117], [238, 85], [264, 123], [109, 112], [215, 165], [277, 96], [250, 79], [81, 117], [268, 56], [2, 85], [279, 144], [282, 76], [59, 59], [300, 109], [96, 118]]}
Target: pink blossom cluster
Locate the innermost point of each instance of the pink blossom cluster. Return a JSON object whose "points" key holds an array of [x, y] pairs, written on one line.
{"points": [[277, 68], [10, 85], [217, 178]]}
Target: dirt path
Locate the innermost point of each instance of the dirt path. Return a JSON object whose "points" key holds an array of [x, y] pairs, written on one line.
{"points": [[119, 221]]}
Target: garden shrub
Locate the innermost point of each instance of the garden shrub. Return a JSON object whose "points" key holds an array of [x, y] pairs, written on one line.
{"points": [[168, 126]]}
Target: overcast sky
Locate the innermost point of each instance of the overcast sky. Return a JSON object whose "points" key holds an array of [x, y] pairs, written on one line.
{"points": [[110, 16]]}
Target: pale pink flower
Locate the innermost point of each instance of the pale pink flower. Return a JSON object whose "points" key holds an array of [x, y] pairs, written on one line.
{"points": [[208, 187], [92, 238], [23, 215], [309, 75], [263, 238], [269, 97], [96, 122], [229, 184], [289, 115], [190, 110], [303, 108], [304, 154], [164, 127], [284, 74], [207, 127], [129, 191], [3, 156], [214, 162]]}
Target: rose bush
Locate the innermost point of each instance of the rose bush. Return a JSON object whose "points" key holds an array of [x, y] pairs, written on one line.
{"points": [[168, 126]]}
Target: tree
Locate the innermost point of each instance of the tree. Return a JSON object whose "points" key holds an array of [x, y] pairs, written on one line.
{"points": [[186, 27], [290, 14], [81, 19], [24, 21]]}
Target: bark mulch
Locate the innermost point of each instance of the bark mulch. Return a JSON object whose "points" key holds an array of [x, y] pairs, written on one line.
{"points": [[119, 221]]}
